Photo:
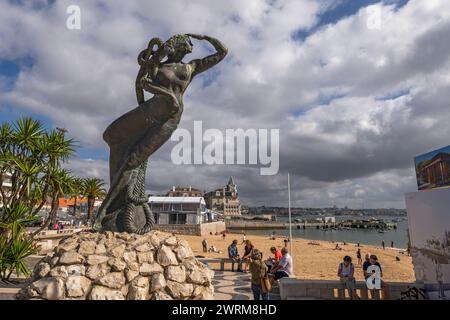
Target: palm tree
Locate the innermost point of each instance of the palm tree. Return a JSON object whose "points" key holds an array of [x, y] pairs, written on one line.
{"points": [[61, 184], [77, 190], [31, 158], [92, 188]]}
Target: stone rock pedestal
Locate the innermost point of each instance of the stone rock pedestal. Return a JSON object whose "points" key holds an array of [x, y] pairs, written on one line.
{"points": [[120, 266]]}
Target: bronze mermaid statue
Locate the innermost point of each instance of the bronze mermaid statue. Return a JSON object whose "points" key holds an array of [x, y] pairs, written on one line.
{"points": [[137, 134]]}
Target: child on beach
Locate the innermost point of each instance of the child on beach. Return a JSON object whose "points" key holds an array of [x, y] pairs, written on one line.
{"points": [[358, 256]]}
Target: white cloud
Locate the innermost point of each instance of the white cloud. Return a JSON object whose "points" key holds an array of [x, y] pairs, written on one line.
{"points": [[338, 138]]}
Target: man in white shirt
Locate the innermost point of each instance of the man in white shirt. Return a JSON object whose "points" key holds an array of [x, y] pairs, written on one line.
{"points": [[284, 267]]}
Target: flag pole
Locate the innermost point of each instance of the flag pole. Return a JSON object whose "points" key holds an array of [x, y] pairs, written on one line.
{"points": [[290, 217]]}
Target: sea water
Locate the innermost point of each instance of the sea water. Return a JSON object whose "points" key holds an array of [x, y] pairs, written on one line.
{"points": [[363, 236]]}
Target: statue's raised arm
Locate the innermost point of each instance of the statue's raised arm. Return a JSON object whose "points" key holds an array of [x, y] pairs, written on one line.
{"points": [[200, 65]]}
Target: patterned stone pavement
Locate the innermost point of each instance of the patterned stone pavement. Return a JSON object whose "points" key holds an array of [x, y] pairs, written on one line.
{"points": [[227, 286], [234, 286]]}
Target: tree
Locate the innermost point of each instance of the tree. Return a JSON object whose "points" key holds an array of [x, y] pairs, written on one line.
{"points": [[61, 184], [93, 188], [31, 159], [77, 190]]}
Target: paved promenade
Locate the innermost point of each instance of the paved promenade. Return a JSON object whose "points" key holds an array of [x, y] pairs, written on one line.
{"points": [[235, 286]]}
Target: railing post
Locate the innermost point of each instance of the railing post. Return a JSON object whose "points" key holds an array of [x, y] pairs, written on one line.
{"points": [[376, 294], [364, 293], [386, 292], [341, 293]]}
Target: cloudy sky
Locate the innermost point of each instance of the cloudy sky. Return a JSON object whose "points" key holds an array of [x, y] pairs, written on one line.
{"points": [[357, 88]]}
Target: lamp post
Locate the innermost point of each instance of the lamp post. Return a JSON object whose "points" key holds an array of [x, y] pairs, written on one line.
{"points": [[290, 217]]}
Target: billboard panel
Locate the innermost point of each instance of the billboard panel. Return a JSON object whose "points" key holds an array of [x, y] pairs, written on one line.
{"points": [[433, 169], [429, 232]]}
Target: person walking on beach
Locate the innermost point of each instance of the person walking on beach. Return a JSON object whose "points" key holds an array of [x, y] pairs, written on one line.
{"points": [[205, 245], [223, 236], [382, 244], [244, 239], [392, 244], [284, 267], [258, 271], [346, 274], [233, 254], [358, 256], [286, 241]]}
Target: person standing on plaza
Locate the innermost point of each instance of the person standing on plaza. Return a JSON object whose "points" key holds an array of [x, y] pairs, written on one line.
{"points": [[258, 271]]}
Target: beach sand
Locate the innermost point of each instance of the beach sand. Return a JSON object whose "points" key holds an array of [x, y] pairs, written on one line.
{"points": [[313, 261]]}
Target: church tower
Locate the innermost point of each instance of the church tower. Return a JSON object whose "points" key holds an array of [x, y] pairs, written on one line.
{"points": [[231, 186]]}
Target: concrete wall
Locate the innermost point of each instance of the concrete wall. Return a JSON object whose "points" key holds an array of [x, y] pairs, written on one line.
{"points": [[163, 218], [192, 219], [192, 229], [206, 228], [299, 289]]}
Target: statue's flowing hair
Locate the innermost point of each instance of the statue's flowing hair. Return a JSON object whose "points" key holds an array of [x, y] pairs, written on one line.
{"points": [[150, 59], [148, 63]]}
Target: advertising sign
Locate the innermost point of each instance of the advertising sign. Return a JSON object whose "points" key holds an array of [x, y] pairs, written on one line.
{"points": [[433, 169], [429, 231]]}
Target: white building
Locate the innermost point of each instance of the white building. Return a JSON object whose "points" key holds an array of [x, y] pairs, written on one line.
{"points": [[6, 185], [179, 210]]}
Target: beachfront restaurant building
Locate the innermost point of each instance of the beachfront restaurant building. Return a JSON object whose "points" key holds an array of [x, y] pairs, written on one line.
{"points": [[179, 210]]}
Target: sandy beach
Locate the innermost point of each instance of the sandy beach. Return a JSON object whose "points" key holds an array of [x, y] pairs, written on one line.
{"points": [[314, 261]]}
